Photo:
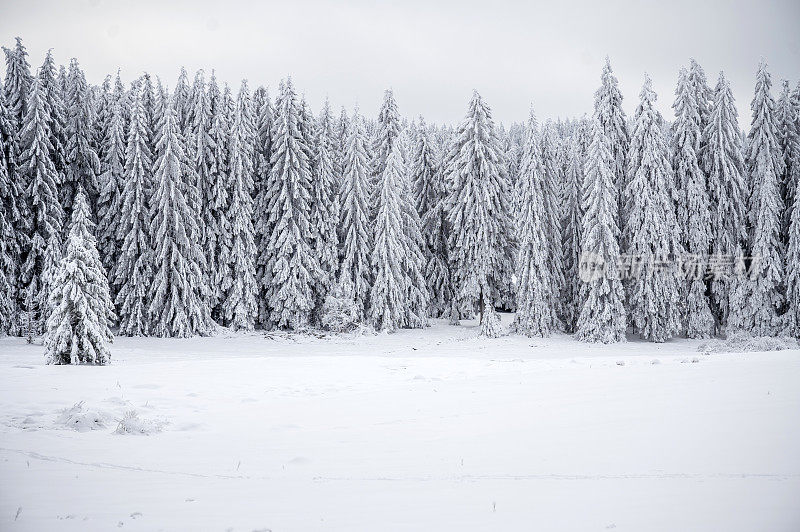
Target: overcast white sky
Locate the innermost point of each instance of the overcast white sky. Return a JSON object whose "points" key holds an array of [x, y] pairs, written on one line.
{"points": [[431, 53]]}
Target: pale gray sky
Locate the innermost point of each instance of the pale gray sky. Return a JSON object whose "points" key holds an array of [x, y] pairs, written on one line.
{"points": [[431, 53]]}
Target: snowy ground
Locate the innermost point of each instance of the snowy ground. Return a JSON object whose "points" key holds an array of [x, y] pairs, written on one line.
{"points": [[419, 430]]}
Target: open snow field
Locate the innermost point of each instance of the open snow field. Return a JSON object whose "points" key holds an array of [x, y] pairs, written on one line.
{"points": [[418, 430]]}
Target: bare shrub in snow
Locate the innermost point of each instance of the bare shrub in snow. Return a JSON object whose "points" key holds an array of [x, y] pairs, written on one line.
{"points": [[79, 418], [742, 342]]}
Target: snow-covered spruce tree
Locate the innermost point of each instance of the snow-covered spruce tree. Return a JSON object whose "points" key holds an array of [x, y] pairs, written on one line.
{"points": [[293, 265], [765, 168], [108, 204], [793, 272], [261, 216], [50, 265], [551, 179], [727, 199], [535, 312], [478, 212], [239, 302], [339, 312], [83, 165], [787, 122], [414, 262], [387, 134], [216, 232], [58, 114], [608, 110], [652, 235], [12, 223], [693, 210], [571, 234], [101, 101], [132, 273], [602, 316], [428, 181], [387, 310], [182, 102], [356, 232], [176, 307], [80, 303], [17, 83], [325, 207], [41, 195]]}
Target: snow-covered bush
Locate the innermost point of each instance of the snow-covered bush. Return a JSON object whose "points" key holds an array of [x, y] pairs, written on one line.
{"points": [[79, 418], [742, 342], [491, 326], [340, 312], [131, 423]]}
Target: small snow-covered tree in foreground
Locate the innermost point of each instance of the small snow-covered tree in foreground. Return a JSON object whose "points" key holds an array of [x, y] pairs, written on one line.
{"points": [[602, 317], [80, 303]]}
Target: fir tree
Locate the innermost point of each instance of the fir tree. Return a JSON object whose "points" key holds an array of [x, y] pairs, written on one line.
{"points": [[793, 272], [608, 110], [765, 167], [133, 271], [83, 165], [325, 207], [176, 307], [108, 203], [535, 286], [58, 114], [478, 211], [571, 234], [17, 84], [388, 295], [215, 222], [388, 131], [726, 191], [239, 303], [356, 233], [12, 222], [42, 190], [81, 310], [787, 122], [651, 228], [602, 317], [430, 195], [693, 213], [293, 265], [261, 216], [550, 183]]}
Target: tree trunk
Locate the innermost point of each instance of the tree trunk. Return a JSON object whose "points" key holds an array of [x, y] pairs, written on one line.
{"points": [[481, 306]]}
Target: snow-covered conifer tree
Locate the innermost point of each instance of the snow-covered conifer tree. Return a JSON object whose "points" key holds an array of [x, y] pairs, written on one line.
{"points": [[41, 195], [536, 314], [177, 307], [652, 236], [571, 233], [608, 110], [387, 310], [325, 207], [387, 134], [239, 302], [261, 214], [693, 212], [428, 183], [478, 212], [83, 165], [356, 233], [80, 303], [17, 83], [552, 178], [793, 272], [602, 317], [293, 265], [111, 180], [182, 103], [58, 114], [765, 168], [12, 223], [215, 222], [727, 199], [787, 122], [134, 268]]}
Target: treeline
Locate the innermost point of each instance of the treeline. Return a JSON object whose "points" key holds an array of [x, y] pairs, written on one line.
{"points": [[246, 209]]}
